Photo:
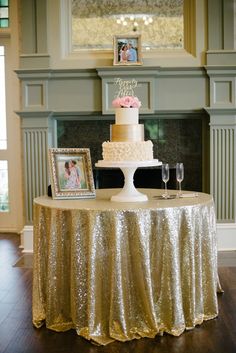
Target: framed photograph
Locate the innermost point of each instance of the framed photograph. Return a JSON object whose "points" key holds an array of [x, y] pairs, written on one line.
{"points": [[127, 50], [71, 173]]}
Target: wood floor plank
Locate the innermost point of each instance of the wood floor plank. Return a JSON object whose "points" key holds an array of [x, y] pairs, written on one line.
{"points": [[17, 334]]}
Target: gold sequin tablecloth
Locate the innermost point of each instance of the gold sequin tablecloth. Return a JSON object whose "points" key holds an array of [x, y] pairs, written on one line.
{"points": [[119, 271]]}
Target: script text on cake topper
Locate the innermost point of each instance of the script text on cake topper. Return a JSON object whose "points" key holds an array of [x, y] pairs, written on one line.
{"points": [[126, 87]]}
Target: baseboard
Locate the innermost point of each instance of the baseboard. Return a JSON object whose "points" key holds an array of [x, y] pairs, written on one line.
{"points": [[27, 239], [226, 236], [9, 230]]}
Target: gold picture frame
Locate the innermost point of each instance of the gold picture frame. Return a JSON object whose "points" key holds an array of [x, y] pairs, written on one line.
{"points": [[71, 173], [127, 50]]}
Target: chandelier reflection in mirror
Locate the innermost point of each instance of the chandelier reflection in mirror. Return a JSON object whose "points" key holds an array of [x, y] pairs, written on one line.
{"points": [[95, 22], [133, 21]]}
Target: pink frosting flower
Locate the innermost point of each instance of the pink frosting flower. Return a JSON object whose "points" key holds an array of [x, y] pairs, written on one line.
{"points": [[126, 102], [116, 103]]}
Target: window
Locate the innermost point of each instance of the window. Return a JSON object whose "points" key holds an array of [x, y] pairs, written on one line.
{"points": [[4, 14], [4, 202], [3, 132]]}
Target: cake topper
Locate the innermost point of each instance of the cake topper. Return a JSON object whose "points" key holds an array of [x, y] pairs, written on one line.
{"points": [[126, 87], [125, 96]]}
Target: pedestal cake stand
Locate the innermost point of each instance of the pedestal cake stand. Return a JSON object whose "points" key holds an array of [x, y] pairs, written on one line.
{"points": [[129, 193]]}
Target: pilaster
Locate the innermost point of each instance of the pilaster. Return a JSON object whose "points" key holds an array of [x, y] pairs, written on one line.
{"points": [[36, 138], [221, 24], [223, 162], [221, 69], [222, 113], [34, 46]]}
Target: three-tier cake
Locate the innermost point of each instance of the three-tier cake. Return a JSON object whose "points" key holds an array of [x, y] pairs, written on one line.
{"points": [[127, 135]]}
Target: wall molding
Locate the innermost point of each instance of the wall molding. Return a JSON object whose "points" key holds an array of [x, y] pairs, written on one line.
{"points": [[111, 71], [36, 73], [221, 70], [93, 115]]}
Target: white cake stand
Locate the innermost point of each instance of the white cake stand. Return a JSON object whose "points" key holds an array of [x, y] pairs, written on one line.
{"points": [[129, 193]]}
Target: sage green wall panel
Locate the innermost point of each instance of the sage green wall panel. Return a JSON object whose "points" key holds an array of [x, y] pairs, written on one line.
{"points": [[33, 26], [34, 95], [144, 90], [28, 25], [221, 18], [215, 24], [34, 61], [228, 9], [222, 57], [167, 93], [223, 92], [75, 94], [83, 90], [167, 88], [41, 30], [222, 86], [181, 93]]}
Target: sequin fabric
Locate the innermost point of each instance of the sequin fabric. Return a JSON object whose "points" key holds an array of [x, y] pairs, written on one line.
{"points": [[120, 271]]}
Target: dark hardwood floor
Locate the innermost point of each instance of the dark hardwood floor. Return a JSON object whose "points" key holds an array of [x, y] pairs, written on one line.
{"points": [[17, 335]]}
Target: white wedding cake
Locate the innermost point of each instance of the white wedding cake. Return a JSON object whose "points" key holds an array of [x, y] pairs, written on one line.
{"points": [[127, 135], [127, 148]]}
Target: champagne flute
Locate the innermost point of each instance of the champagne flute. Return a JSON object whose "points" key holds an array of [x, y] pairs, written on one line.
{"points": [[179, 176], [165, 178]]}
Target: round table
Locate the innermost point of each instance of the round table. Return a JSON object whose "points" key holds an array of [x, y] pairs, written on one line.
{"points": [[119, 271]]}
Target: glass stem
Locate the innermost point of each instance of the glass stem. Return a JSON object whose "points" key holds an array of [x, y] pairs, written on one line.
{"points": [[165, 188], [179, 187]]}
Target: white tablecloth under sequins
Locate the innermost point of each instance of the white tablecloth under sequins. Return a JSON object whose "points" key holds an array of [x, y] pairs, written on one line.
{"points": [[119, 271]]}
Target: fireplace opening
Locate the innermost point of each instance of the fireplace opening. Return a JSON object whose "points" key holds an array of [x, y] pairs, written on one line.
{"points": [[174, 140]]}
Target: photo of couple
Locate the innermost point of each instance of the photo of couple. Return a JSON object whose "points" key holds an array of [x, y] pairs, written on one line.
{"points": [[71, 174], [127, 53], [127, 50]]}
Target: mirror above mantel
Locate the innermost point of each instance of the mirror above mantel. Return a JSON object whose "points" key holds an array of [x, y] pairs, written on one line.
{"points": [[95, 22], [74, 47]]}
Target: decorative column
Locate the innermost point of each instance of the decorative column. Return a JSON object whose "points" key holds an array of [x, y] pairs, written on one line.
{"points": [[222, 113], [35, 120], [34, 46], [221, 69], [37, 136], [222, 181], [35, 133]]}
